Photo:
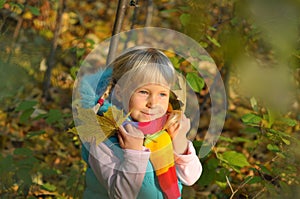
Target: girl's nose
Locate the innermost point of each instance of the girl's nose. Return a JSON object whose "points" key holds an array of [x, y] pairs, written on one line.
{"points": [[151, 101]]}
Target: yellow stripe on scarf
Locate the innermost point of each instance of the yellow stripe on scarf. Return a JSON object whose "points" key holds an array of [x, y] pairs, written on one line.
{"points": [[160, 145]]}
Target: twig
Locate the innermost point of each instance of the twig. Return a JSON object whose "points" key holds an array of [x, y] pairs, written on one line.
{"points": [[16, 33], [227, 180], [133, 22], [149, 13], [258, 193], [51, 57], [239, 187], [122, 4], [233, 192]]}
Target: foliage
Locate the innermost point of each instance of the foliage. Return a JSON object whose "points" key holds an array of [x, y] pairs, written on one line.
{"points": [[257, 155], [267, 146]]}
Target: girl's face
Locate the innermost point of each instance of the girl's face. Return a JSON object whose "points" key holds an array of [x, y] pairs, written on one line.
{"points": [[149, 102]]}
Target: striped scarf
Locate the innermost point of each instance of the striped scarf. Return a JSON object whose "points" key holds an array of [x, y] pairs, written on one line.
{"points": [[159, 143]]}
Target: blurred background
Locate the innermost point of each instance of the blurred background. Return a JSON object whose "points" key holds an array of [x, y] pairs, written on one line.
{"points": [[255, 45]]}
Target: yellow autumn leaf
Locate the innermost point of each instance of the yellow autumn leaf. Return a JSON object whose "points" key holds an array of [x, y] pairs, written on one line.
{"points": [[99, 128]]}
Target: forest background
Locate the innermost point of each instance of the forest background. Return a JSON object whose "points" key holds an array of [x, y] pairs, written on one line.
{"points": [[255, 45]]}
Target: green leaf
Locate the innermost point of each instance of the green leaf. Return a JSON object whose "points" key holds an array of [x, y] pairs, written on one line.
{"points": [[49, 187], [279, 133], [249, 129], [16, 5], [226, 139], [73, 72], [213, 163], [273, 147], [286, 141], [184, 19], [208, 176], [169, 11], [251, 118], [289, 121], [235, 159], [197, 144], [34, 10], [175, 62], [206, 58], [23, 151], [35, 133], [203, 44], [2, 2], [6, 164], [253, 103], [26, 105], [54, 116], [195, 82], [27, 163], [80, 52], [265, 169], [223, 185], [253, 179], [272, 116], [213, 40], [24, 117], [24, 175], [221, 174], [241, 139]]}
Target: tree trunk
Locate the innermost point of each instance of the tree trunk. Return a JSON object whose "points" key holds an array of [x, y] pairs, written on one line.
{"points": [[51, 57]]}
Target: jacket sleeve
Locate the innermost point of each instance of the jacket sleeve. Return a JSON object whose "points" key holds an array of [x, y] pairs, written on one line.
{"points": [[121, 176], [188, 166]]}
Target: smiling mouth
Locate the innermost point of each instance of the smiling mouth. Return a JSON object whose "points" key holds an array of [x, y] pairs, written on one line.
{"points": [[150, 114]]}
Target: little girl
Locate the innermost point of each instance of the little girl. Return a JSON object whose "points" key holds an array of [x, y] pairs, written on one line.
{"points": [[150, 156]]}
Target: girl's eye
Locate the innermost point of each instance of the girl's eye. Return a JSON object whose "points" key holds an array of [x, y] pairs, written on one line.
{"points": [[143, 92], [163, 94]]}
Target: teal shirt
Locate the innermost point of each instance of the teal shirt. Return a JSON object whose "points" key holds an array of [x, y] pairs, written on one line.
{"points": [[149, 190]]}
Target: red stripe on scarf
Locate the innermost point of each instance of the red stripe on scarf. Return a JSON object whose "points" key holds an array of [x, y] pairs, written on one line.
{"points": [[168, 183]]}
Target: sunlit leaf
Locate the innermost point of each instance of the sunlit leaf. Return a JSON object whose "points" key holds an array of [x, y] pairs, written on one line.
{"points": [[196, 82], [99, 127], [214, 41], [253, 103], [289, 121], [235, 158], [251, 118], [286, 141], [273, 147], [184, 19], [49, 187], [35, 133]]}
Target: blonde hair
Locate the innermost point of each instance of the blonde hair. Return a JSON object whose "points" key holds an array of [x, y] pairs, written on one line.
{"points": [[143, 65]]}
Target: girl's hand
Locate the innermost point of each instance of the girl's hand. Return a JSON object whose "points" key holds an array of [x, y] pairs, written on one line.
{"points": [[178, 132], [180, 128], [130, 138]]}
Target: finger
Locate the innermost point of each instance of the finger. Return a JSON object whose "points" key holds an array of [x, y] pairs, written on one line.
{"points": [[133, 131], [120, 138], [122, 131]]}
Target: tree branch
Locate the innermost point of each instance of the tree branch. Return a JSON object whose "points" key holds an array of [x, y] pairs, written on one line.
{"points": [[122, 5]]}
